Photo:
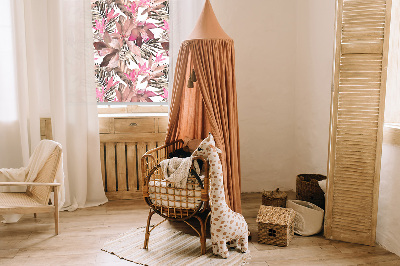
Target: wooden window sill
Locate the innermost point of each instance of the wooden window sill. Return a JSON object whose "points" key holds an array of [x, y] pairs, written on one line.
{"points": [[132, 109], [127, 115]]}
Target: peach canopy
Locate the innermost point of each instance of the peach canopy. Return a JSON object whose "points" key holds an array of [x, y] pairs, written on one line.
{"points": [[211, 105]]}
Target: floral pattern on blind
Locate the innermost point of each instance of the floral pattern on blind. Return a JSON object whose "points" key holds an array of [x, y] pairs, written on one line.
{"points": [[131, 46]]}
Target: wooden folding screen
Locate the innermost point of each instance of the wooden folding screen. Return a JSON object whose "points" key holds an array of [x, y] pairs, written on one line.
{"points": [[358, 96]]}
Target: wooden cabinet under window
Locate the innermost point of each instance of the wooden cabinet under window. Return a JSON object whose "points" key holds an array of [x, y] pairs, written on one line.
{"points": [[123, 141]]}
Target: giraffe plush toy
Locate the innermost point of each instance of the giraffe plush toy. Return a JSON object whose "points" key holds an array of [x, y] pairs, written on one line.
{"points": [[226, 225]]}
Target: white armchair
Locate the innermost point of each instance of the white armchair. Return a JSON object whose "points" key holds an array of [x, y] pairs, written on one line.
{"points": [[36, 197]]}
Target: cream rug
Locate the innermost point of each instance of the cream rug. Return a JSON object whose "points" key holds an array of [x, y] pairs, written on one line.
{"points": [[168, 247]]}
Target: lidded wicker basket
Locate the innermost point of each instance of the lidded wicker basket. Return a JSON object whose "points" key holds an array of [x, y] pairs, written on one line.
{"points": [[308, 189], [274, 198], [275, 225]]}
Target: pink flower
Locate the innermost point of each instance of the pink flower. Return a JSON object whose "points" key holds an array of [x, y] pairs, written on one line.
{"points": [[165, 94], [111, 84], [111, 15], [143, 69], [100, 94], [142, 32], [166, 26], [159, 58], [143, 96], [132, 7], [144, 2], [100, 26], [132, 76]]}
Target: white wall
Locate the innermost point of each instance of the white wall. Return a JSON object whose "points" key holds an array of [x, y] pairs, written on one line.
{"points": [[264, 33], [388, 227], [314, 60], [284, 52]]}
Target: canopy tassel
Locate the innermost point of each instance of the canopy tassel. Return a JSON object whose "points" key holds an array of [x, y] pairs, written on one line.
{"points": [[192, 79]]}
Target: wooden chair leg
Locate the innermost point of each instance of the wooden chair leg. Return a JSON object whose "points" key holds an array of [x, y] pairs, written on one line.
{"points": [[56, 211], [147, 235], [34, 215]]}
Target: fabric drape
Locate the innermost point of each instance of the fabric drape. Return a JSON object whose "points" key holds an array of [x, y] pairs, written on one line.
{"points": [[10, 140], [211, 106], [54, 76], [183, 16]]}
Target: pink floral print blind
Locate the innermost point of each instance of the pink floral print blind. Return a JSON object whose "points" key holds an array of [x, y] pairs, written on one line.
{"points": [[131, 50]]}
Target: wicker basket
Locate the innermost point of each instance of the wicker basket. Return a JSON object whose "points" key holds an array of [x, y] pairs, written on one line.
{"points": [[308, 189], [275, 225], [274, 198]]}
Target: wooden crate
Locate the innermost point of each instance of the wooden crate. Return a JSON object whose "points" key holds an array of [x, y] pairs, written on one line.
{"points": [[123, 141]]}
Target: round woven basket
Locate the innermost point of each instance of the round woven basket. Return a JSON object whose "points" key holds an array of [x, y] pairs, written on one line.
{"points": [[309, 217], [308, 189]]}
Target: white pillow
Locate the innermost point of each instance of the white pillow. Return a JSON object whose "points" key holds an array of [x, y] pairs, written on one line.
{"points": [[322, 184]]}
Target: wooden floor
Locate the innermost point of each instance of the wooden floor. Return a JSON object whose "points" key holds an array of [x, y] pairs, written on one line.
{"points": [[82, 233]]}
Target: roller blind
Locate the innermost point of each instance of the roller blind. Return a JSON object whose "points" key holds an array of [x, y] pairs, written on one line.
{"points": [[358, 97]]}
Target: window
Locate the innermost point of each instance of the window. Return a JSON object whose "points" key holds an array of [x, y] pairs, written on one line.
{"points": [[391, 131], [131, 45], [392, 108], [8, 100]]}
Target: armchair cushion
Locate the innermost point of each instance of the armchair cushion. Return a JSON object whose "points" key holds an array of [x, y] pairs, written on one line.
{"points": [[16, 199]]}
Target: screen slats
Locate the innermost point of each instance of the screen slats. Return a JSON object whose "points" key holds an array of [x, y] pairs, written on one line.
{"points": [[357, 119]]}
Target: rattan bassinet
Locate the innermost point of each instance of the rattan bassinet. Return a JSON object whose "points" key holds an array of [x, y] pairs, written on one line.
{"points": [[170, 202]]}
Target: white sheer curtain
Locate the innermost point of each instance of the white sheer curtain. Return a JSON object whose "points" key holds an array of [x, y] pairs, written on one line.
{"points": [[55, 77], [182, 19], [10, 147]]}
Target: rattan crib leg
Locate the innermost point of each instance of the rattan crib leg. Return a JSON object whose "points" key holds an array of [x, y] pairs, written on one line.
{"points": [[203, 237], [202, 234], [147, 235], [34, 215]]}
